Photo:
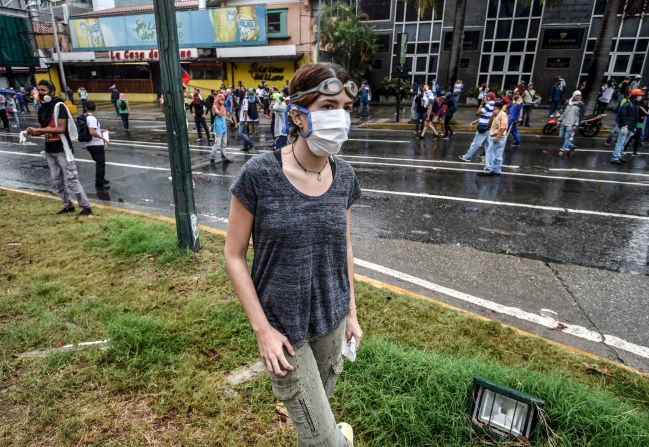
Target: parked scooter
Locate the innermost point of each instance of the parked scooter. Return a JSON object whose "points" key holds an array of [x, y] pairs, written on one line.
{"points": [[588, 127]]}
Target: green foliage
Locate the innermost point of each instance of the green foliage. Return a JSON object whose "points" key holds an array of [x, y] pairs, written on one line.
{"points": [[397, 395], [347, 39], [391, 86], [132, 237]]}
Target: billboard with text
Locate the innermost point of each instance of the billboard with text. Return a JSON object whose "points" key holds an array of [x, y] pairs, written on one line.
{"points": [[217, 27]]}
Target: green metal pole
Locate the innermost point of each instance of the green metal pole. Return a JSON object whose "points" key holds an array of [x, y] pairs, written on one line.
{"points": [[179, 158]]}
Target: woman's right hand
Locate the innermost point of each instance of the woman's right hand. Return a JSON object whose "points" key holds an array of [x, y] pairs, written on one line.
{"points": [[271, 347]]}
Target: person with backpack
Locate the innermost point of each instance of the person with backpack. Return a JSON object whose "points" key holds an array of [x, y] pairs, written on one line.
{"points": [[90, 133], [484, 113], [627, 120], [220, 129], [253, 113], [421, 113], [114, 97], [197, 107], [450, 107], [123, 110], [57, 126], [636, 139], [431, 118]]}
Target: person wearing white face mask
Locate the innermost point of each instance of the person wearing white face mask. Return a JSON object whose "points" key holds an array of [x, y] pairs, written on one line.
{"points": [[295, 202]]}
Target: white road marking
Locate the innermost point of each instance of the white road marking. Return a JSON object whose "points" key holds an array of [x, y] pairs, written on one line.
{"points": [[520, 174], [545, 321], [592, 171], [124, 165], [512, 204], [378, 141]]}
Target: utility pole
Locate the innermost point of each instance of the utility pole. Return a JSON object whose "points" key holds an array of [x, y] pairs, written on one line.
{"points": [[171, 85], [58, 51]]}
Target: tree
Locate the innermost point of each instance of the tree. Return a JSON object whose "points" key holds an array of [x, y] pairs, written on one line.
{"points": [[347, 39], [601, 53]]}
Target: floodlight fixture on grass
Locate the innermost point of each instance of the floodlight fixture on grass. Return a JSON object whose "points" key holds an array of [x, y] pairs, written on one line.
{"points": [[501, 412]]}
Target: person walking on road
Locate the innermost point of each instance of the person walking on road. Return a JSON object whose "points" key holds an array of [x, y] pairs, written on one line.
{"points": [[279, 134], [364, 97], [83, 95], [432, 117], [627, 119], [422, 106], [530, 99], [636, 139], [3, 111], [253, 112], [57, 126], [605, 95], [485, 112], [555, 97], [114, 97], [220, 130], [197, 107], [123, 110], [12, 110], [243, 124], [296, 203], [97, 147], [22, 104], [515, 111], [451, 107], [497, 139], [571, 118]]}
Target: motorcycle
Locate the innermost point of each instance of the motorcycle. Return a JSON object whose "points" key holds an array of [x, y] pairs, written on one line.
{"points": [[588, 127]]}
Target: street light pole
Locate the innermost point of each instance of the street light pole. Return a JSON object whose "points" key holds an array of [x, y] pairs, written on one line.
{"points": [[58, 50], [179, 158]]}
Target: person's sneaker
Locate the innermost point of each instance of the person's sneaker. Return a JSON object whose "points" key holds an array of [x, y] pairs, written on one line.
{"points": [[486, 174], [199, 140], [103, 187], [347, 431], [226, 160], [481, 158], [464, 158], [608, 143], [106, 183], [635, 155], [85, 212], [213, 161], [66, 210], [516, 144], [616, 162]]}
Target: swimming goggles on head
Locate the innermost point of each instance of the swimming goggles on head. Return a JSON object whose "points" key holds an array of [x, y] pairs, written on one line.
{"points": [[330, 87]]}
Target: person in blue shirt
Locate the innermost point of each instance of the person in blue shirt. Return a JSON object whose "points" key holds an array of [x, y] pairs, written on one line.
{"points": [[555, 97], [515, 110], [220, 130], [364, 95]]}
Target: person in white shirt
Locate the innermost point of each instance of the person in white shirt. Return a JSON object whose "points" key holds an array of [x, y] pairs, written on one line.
{"points": [[96, 147], [243, 124], [457, 88], [279, 108], [605, 96]]}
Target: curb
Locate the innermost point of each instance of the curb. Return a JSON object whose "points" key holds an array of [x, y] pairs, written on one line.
{"points": [[367, 280]]}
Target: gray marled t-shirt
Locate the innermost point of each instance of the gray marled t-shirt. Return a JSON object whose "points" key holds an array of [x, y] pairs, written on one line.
{"points": [[300, 241]]}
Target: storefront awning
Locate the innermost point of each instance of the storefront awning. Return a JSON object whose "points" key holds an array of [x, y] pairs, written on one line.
{"points": [[266, 51]]}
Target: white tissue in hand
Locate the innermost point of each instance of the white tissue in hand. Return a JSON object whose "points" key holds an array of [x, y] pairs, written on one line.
{"points": [[349, 349], [22, 137]]}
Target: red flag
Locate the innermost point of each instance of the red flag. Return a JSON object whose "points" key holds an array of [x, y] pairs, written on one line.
{"points": [[185, 76]]}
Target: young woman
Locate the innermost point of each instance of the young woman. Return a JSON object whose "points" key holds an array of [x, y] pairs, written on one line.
{"points": [[296, 203]]}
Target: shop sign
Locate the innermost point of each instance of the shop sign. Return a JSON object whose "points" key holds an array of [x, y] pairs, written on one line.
{"points": [[214, 27], [266, 72], [557, 62], [149, 55], [562, 38]]}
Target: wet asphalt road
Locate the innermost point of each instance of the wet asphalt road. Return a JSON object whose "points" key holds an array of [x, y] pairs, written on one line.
{"points": [[549, 241]]}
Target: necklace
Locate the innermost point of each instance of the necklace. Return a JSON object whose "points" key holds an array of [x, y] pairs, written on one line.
{"points": [[306, 170]]}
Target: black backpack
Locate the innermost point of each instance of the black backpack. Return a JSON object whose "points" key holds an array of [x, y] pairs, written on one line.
{"points": [[82, 129], [123, 105], [252, 106]]}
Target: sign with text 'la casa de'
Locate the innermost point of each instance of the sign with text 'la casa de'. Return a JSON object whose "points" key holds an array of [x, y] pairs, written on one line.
{"points": [[185, 54], [216, 27]]}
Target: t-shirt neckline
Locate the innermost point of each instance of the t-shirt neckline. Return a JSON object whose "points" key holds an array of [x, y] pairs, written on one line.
{"points": [[278, 164]]}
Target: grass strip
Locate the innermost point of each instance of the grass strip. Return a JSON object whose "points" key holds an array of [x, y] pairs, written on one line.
{"points": [[177, 328]]}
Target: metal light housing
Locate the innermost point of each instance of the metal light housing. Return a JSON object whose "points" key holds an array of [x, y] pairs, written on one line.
{"points": [[500, 412]]}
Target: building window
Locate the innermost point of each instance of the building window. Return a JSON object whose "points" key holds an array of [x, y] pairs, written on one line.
{"points": [[375, 9], [276, 26], [207, 71], [509, 42]]}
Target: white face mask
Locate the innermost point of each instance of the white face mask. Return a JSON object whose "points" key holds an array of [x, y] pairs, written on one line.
{"points": [[329, 131]]}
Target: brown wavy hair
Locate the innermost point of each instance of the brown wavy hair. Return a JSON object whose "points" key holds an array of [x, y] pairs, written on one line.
{"points": [[309, 76]]}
